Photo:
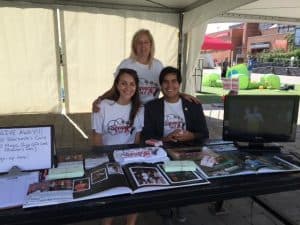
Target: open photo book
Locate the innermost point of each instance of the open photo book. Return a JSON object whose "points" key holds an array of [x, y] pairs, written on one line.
{"points": [[111, 179], [240, 163], [233, 163]]}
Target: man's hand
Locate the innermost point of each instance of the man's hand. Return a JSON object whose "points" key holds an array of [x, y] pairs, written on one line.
{"points": [[190, 98], [179, 135], [184, 135], [95, 107], [171, 136]]}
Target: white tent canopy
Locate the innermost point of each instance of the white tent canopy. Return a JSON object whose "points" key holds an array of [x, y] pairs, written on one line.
{"points": [[95, 37]]}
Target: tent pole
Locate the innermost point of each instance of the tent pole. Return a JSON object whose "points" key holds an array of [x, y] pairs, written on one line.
{"points": [[58, 60], [64, 62], [180, 41], [182, 50]]}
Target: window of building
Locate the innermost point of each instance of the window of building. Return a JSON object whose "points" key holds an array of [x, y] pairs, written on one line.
{"points": [[297, 36], [286, 29]]}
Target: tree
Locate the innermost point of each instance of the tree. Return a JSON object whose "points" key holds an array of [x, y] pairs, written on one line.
{"points": [[291, 41]]}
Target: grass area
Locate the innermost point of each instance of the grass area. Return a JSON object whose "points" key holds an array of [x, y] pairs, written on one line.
{"points": [[213, 94]]}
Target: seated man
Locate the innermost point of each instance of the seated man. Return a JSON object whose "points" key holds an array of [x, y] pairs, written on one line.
{"points": [[173, 119]]}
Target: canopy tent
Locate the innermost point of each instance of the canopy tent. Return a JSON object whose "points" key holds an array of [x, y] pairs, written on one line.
{"points": [[271, 11], [93, 36], [213, 43]]}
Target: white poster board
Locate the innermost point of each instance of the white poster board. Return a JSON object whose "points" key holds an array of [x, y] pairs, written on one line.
{"points": [[28, 148]]}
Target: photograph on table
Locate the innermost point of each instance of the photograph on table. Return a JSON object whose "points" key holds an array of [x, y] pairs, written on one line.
{"points": [[182, 176], [144, 176], [81, 184], [98, 175], [113, 168]]}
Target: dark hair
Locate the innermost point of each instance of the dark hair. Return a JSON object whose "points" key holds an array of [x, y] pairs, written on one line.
{"points": [[167, 70], [114, 94]]}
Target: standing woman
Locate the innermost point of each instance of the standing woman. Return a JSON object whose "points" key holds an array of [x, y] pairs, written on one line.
{"points": [[148, 68], [143, 62], [120, 119]]}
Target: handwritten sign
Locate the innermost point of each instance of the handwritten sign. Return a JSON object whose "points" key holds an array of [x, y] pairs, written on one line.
{"points": [[29, 148]]}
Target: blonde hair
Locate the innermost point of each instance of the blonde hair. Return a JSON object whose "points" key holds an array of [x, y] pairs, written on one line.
{"points": [[134, 41]]}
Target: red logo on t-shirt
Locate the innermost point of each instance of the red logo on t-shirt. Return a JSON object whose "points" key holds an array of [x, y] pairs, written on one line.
{"points": [[118, 126], [148, 87], [174, 122]]}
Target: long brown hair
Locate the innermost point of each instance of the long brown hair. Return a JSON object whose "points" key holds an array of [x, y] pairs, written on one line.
{"points": [[114, 94], [135, 40]]}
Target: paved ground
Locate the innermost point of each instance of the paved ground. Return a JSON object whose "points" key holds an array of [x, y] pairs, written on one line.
{"points": [[239, 212]]}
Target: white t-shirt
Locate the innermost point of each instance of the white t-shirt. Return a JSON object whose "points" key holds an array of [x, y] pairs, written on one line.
{"points": [[149, 87], [173, 117], [113, 123]]}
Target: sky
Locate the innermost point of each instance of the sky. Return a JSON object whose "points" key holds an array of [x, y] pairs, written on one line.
{"points": [[214, 27]]}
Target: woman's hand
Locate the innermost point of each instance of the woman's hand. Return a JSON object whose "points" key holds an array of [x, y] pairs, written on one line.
{"points": [[190, 98], [95, 107], [96, 139]]}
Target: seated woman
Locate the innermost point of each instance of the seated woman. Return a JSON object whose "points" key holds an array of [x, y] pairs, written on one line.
{"points": [[120, 119]]}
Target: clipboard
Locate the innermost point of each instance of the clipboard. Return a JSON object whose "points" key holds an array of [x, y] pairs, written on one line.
{"points": [[14, 186]]}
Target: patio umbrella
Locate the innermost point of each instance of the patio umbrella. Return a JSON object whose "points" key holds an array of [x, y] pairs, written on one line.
{"points": [[213, 43]]}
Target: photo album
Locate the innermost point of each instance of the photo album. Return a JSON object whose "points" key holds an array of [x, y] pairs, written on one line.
{"points": [[111, 179], [232, 163]]}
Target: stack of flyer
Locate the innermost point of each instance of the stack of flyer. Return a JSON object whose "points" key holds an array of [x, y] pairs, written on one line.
{"points": [[94, 161], [138, 155]]}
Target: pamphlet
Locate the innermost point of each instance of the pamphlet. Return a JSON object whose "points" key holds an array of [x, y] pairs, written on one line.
{"points": [[93, 161], [180, 165], [70, 171]]}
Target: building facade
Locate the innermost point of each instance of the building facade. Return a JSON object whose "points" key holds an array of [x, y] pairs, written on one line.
{"points": [[248, 39]]}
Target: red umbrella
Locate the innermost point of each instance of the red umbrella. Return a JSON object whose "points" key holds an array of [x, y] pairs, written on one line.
{"points": [[212, 43]]}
